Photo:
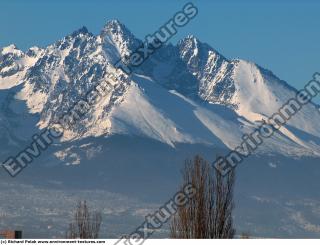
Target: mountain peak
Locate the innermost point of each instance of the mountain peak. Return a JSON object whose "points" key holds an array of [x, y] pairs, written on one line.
{"points": [[33, 51], [191, 38], [115, 26], [119, 36], [190, 41], [11, 49], [117, 32], [83, 30]]}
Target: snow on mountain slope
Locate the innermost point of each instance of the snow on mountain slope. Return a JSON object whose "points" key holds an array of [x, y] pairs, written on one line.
{"points": [[188, 93], [152, 111], [14, 64], [259, 94]]}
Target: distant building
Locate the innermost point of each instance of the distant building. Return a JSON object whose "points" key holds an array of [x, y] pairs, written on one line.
{"points": [[10, 234]]}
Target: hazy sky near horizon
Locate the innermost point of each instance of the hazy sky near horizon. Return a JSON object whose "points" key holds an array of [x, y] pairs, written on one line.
{"points": [[281, 36]]}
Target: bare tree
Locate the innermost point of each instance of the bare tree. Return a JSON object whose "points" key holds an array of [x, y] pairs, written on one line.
{"points": [[209, 213], [86, 225]]}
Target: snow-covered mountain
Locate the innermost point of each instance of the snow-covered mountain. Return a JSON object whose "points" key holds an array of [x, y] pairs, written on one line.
{"points": [[188, 93], [185, 99]]}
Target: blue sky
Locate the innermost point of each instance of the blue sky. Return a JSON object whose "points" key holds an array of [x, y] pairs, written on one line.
{"points": [[282, 36]]}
